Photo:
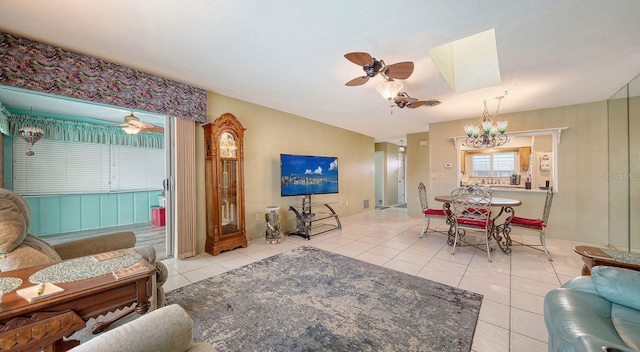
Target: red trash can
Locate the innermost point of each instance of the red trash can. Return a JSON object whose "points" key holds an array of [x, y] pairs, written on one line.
{"points": [[158, 216]]}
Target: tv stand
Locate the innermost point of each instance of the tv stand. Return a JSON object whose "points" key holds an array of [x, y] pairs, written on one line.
{"points": [[305, 219]]}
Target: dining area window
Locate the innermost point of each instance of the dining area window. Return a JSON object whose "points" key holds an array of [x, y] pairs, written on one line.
{"points": [[498, 164]]}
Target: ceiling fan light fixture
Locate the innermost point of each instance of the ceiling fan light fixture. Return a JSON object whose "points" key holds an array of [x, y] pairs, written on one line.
{"points": [[389, 89], [131, 130]]}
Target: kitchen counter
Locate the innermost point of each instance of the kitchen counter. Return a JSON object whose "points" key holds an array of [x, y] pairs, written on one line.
{"points": [[511, 188]]}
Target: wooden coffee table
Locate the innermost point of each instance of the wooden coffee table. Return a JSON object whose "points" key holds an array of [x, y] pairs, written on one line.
{"points": [[593, 256], [42, 324]]}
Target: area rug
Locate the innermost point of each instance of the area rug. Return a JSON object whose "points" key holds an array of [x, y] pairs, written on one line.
{"points": [[308, 299]]}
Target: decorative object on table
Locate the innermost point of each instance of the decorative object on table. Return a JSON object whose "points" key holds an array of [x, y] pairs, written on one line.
{"points": [[308, 299], [30, 135], [272, 225], [83, 268], [487, 135], [39, 291], [224, 184], [8, 284]]}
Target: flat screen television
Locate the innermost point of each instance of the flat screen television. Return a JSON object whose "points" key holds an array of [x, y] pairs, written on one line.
{"points": [[306, 174]]}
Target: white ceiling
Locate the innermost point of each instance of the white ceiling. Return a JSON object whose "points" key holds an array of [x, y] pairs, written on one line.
{"points": [[288, 54]]}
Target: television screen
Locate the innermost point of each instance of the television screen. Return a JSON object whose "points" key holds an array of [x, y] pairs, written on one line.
{"points": [[305, 174]]}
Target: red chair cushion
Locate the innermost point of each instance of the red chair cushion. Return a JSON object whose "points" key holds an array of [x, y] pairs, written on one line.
{"points": [[434, 212], [474, 223], [526, 222]]}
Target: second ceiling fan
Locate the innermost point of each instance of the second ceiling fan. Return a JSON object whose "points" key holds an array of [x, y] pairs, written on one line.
{"points": [[133, 125], [403, 100]]}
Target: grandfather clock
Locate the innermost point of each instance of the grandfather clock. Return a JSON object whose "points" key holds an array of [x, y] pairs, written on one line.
{"points": [[224, 178]]}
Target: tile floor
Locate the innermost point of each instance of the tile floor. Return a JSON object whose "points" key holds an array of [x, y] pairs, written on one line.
{"points": [[513, 286]]}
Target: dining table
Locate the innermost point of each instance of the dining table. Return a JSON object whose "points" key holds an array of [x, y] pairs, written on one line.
{"points": [[500, 231]]}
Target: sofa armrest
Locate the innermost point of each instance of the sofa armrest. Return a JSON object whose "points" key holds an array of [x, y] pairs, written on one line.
{"points": [[95, 245], [618, 285], [582, 283], [167, 329]]}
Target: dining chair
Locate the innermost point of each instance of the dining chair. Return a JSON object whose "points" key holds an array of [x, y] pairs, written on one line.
{"points": [[471, 206], [428, 213], [536, 224]]}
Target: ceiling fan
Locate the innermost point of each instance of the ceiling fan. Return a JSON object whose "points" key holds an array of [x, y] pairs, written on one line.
{"points": [[373, 67], [133, 125], [403, 100]]}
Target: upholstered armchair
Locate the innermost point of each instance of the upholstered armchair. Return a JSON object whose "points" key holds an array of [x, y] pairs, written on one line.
{"points": [[18, 249], [591, 312], [168, 329]]}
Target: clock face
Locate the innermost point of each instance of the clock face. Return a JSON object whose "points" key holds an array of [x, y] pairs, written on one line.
{"points": [[228, 147]]}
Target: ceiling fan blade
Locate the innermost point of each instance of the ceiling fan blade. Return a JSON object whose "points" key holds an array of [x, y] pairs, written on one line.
{"points": [[154, 129], [400, 70], [139, 124], [357, 81], [416, 104], [359, 58]]}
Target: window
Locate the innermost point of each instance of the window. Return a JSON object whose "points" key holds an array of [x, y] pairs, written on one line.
{"points": [[61, 167], [501, 164]]}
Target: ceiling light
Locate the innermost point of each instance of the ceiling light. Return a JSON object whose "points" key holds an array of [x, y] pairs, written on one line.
{"points": [[487, 135], [389, 89], [31, 135], [131, 130], [402, 149]]}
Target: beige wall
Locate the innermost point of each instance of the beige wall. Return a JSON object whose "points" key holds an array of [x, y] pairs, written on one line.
{"points": [[580, 208], [268, 134], [417, 169]]}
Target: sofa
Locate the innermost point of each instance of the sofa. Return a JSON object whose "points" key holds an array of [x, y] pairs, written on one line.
{"points": [[168, 329], [19, 249], [591, 312]]}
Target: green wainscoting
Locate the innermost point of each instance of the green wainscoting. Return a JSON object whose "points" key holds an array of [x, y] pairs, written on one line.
{"points": [[77, 212]]}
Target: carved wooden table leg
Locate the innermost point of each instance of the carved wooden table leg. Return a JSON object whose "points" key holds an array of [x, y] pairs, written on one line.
{"points": [[41, 331], [143, 287]]}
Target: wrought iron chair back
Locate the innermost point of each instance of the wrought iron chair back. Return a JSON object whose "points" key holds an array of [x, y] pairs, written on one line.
{"points": [[424, 201], [426, 211], [547, 205], [471, 206], [539, 225]]}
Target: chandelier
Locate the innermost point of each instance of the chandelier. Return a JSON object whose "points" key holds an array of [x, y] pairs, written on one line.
{"points": [[487, 135], [30, 135]]}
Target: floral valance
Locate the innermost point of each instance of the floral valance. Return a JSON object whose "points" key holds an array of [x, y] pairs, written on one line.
{"points": [[44, 68], [75, 131]]}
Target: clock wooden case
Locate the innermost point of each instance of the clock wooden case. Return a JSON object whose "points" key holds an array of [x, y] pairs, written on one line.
{"points": [[224, 184]]}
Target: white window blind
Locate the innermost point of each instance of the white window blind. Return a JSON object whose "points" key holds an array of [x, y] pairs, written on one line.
{"points": [[493, 164], [60, 167]]}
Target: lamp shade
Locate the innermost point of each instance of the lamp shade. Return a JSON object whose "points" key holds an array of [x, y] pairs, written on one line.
{"points": [[389, 89], [131, 130]]}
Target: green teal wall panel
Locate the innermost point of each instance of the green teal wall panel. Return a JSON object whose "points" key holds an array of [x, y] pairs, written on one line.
{"points": [[69, 213], [109, 210], [50, 215], [126, 208], [90, 213], [142, 208], [70, 210], [34, 207], [8, 162]]}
